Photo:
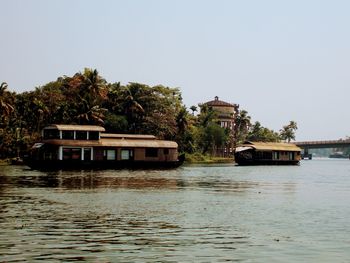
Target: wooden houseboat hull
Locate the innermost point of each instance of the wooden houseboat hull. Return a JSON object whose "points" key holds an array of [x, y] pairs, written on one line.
{"points": [[46, 165], [244, 162]]}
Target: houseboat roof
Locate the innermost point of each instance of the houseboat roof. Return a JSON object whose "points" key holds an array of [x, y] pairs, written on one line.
{"points": [[127, 136], [138, 143], [70, 127], [268, 146]]}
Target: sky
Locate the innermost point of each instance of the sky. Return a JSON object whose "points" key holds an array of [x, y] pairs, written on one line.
{"points": [[279, 60]]}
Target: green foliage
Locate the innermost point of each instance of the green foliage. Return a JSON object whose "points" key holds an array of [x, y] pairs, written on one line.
{"points": [[208, 135], [242, 125], [6, 103], [87, 98], [116, 123], [287, 133], [260, 133]]}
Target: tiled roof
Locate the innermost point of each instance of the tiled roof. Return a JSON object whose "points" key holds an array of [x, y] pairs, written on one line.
{"points": [[217, 102]]}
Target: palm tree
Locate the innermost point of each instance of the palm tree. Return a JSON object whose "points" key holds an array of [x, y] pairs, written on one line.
{"points": [[193, 109], [41, 110], [207, 115], [93, 115], [287, 133], [86, 93], [6, 107], [242, 124], [132, 107], [182, 120], [94, 84]]}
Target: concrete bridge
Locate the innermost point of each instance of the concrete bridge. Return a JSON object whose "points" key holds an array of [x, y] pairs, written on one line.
{"points": [[321, 144]]}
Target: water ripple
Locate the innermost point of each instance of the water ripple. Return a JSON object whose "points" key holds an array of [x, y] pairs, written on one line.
{"points": [[192, 214]]}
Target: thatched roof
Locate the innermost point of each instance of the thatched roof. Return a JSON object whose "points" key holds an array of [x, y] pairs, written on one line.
{"points": [[70, 127], [268, 146], [133, 143], [127, 136]]}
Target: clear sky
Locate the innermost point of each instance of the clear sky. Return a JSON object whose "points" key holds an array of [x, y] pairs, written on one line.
{"points": [[280, 60]]}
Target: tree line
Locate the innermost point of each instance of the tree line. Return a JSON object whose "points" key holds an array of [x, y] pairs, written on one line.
{"points": [[87, 98]]}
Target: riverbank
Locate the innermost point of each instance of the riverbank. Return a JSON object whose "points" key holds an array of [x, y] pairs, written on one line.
{"points": [[198, 158]]}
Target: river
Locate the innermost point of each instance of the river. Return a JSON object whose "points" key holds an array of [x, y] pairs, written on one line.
{"points": [[192, 214]]}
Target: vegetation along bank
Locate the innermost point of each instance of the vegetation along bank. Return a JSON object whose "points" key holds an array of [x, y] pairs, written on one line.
{"points": [[135, 108]]}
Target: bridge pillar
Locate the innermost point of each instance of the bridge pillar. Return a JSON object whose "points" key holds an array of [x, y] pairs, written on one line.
{"points": [[306, 154]]}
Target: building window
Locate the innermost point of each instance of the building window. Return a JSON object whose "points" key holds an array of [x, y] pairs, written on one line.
{"points": [[151, 152], [166, 151], [68, 135], [81, 135]]}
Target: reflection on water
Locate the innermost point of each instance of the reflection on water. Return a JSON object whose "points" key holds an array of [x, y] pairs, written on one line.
{"points": [[192, 214]]}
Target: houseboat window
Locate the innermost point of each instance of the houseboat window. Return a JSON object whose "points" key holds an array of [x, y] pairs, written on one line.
{"points": [[68, 135], [166, 151], [98, 154], [151, 152], [87, 154], [71, 154], [50, 156], [126, 154], [266, 155], [291, 156], [110, 154], [51, 134], [93, 135], [276, 155], [81, 135]]}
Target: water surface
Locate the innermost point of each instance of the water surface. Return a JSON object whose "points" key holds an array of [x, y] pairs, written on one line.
{"points": [[191, 214]]}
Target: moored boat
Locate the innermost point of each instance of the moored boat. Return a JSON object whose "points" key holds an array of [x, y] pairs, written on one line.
{"points": [[339, 155], [267, 153], [88, 147]]}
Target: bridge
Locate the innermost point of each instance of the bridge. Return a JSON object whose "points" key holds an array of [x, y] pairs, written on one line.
{"points": [[321, 144]]}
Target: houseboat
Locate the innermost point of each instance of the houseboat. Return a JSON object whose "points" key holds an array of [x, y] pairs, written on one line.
{"points": [[89, 147], [267, 153]]}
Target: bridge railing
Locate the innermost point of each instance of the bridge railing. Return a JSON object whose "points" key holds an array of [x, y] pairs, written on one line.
{"points": [[329, 142]]}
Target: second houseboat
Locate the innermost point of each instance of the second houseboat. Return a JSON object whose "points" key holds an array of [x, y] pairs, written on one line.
{"points": [[267, 153]]}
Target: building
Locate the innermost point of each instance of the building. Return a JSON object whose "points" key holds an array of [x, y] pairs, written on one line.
{"points": [[226, 115]]}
